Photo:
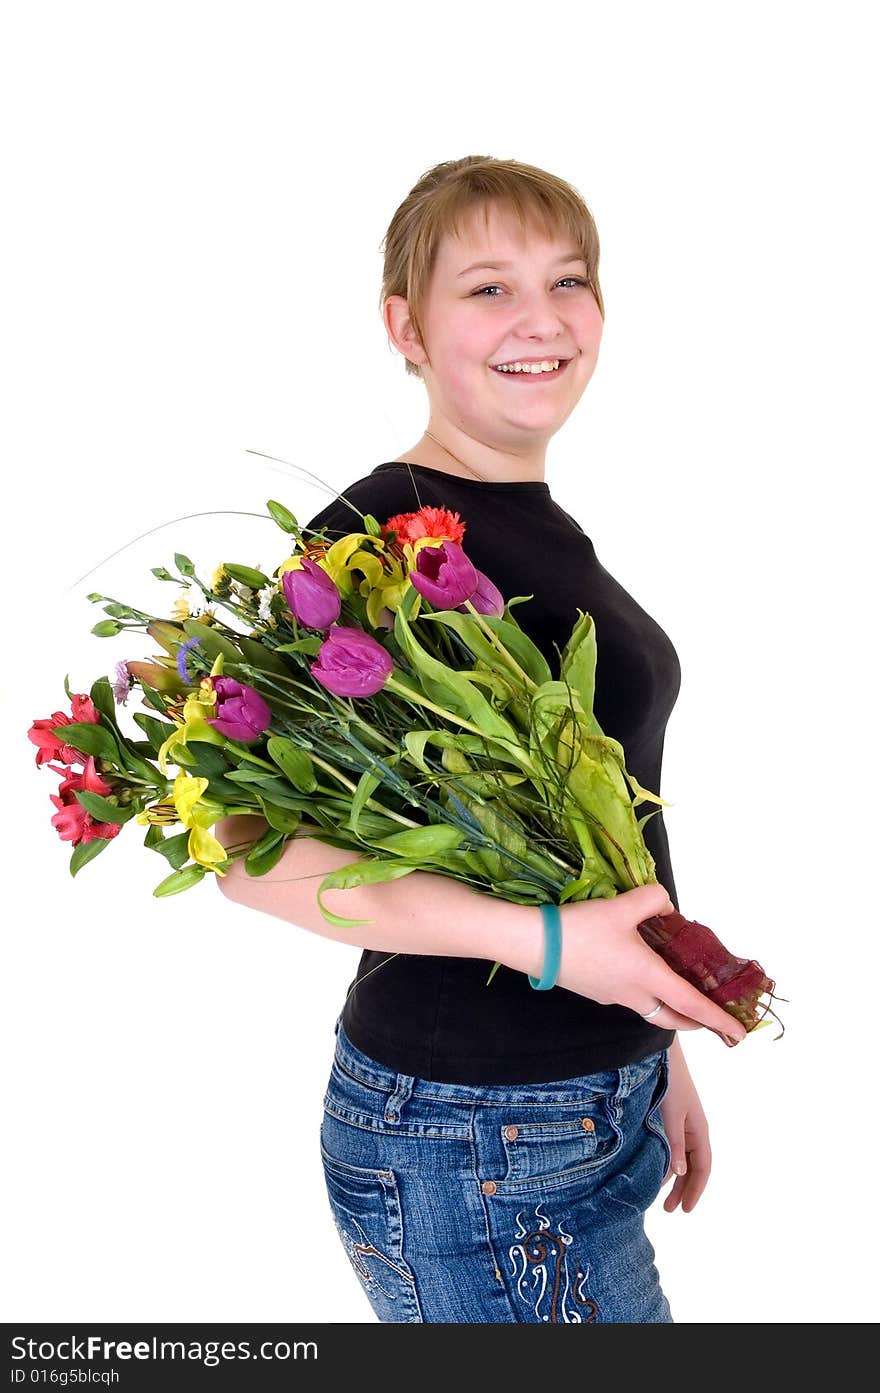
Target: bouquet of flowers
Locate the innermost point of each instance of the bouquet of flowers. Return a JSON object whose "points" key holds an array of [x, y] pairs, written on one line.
{"points": [[381, 686]]}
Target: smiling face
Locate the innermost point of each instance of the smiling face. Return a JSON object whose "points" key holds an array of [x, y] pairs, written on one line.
{"points": [[533, 305]]}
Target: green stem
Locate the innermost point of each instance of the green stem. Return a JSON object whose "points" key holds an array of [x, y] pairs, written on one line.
{"points": [[393, 685], [370, 802], [246, 754], [505, 653]]}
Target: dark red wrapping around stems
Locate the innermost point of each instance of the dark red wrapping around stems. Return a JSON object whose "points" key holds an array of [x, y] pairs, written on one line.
{"points": [[693, 951]]}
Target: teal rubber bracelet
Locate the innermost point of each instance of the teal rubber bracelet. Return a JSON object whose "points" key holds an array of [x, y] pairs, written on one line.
{"points": [[552, 948]]}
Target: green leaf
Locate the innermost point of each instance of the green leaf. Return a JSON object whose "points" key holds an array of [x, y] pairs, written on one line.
{"points": [[161, 574], [179, 880], [210, 640], [445, 686], [252, 776], [106, 628], [283, 516], [265, 853], [262, 658], [293, 762], [89, 739], [415, 741], [175, 849], [87, 851], [157, 732], [366, 872], [525, 653], [311, 645], [367, 785], [282, 819], [183, 564], [102, 809], [247, 575], [644, 795], [152, 696], [578, 666], [102, 699], [129, 757], [209, 761], [520, 891], [421, 843]]}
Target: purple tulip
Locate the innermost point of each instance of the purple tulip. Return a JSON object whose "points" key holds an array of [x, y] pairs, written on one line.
{"points": [[486, 599], [243, 715], [351, 663], [311, 595], [444, 575]]}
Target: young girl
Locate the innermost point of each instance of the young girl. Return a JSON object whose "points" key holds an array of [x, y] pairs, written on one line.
{"points": [[490, 1151]]}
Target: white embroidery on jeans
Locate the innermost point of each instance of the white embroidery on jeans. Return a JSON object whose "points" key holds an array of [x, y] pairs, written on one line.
{"points": [[547, 1255]]}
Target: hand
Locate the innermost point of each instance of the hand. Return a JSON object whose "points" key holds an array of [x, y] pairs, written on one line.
{"points": [[237, 828], [687, 1130], [605, 958]]}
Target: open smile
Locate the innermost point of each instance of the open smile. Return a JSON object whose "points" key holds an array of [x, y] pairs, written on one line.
{"points": [[534, 374]]}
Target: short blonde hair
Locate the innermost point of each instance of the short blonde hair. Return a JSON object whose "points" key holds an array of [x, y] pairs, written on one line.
{"points": [[446, 195]]}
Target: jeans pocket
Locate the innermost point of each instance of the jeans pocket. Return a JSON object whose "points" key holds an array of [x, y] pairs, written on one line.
{"points": [[654, 1117], [560, 1148], [365, 1204]]}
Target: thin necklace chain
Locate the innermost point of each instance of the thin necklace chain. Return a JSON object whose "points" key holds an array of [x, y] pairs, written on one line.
{"points": [[455, 457]]}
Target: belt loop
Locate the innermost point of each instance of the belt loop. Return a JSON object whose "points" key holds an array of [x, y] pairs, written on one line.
{"points": [[623, 1090], [403, 1087]]}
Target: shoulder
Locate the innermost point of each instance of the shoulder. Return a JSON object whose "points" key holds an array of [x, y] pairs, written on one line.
{"points": [[381, 493]]}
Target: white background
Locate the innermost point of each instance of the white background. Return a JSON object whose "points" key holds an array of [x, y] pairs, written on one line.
{"points": [[196, 196]]}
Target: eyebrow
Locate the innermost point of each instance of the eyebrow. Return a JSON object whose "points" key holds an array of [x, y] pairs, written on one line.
{"points": [[505, 265]]}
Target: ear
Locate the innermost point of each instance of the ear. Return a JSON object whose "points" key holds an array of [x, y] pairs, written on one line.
{"points": [[395, 314]]}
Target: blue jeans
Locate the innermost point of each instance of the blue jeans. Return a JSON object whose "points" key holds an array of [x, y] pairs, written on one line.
{"points": [[497, 1203]]}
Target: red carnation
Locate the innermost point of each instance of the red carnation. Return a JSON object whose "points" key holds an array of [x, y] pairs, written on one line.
{"points": [[426, 522]]}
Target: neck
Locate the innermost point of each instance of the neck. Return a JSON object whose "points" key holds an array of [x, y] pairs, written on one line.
{"points": [[443, 448]]}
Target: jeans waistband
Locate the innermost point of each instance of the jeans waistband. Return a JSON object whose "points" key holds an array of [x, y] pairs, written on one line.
{"points": [[615, 1083]]}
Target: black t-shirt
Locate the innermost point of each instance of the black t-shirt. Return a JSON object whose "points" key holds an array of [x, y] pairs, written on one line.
{"points": [[435, 1017]]}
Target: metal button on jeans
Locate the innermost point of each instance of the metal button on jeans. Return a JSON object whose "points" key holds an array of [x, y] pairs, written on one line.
{"points": [[488, 1187], [588, 1124], [511, 1133]]}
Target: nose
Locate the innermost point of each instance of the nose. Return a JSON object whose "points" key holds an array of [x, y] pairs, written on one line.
{"points": [[539, 318]]}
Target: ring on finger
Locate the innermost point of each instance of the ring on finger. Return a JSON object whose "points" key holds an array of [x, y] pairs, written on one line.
{"points": [[651, 1014]]}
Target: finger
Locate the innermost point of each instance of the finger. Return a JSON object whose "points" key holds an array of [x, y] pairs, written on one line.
{"points": [[680, 996], [694, 1182], [673, 1199], [667, 1019]]}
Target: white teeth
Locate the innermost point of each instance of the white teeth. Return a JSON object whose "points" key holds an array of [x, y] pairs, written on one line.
{"points": [[549, 365]]}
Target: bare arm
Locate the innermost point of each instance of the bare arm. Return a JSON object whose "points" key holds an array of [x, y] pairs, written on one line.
{"points": [[420, 913], [603, 955]]}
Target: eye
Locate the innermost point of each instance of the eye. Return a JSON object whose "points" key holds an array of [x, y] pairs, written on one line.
{"points": [[576, 280]]}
